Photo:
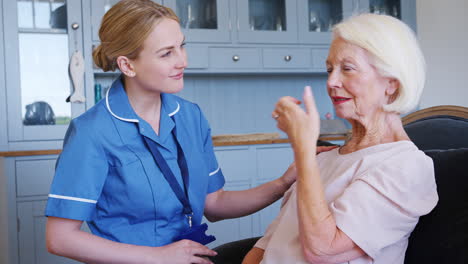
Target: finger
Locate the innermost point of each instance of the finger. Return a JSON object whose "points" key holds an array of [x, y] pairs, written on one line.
{"points": [[309, 101], [286, 101], [204, 251], [200, 260]]}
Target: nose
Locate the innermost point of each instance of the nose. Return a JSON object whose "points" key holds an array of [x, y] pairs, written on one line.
{"points": [[181, 59], [334, 80]]}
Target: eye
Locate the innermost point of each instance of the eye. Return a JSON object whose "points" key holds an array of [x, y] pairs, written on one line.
{"points": [[329, 70], [166, 54], [183, 44], [348, 68]]}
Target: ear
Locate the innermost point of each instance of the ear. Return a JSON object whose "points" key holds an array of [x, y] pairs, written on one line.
{"points": [[392, 89], [125, 66]]}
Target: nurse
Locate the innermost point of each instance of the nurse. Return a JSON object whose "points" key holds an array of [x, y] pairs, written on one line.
{"points": [[139, 166]]}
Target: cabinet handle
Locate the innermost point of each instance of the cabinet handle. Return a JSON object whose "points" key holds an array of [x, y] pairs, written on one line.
{"points": [[75, 26], [235, 58], [288, 58]]}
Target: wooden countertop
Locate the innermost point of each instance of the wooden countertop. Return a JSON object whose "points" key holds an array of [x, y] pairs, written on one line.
{"points": [[218, 140]]}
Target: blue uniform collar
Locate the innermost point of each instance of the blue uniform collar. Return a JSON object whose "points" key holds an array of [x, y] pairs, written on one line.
{"points": [[119, 106]]}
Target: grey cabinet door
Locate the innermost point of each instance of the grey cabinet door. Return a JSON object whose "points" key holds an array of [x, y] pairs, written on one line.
{"points": [[204, 21], [40, 43], [31, 235], [3, 117], [98, 9], [266, 21], [402, 9], [317, 17], [245, 167]]}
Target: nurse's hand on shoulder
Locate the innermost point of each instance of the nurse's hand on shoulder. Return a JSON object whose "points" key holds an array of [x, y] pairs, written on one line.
{"points": [[184, 252], [289, 177]]}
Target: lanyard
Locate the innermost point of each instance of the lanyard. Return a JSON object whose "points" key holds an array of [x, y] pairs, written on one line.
{"points": [[169, 176]]}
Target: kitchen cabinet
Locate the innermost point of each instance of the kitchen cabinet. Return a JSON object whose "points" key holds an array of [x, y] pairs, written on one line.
{"points": [[42, 36], [267, 36], [266, 21], [206, 21], [98, 9], [401, 9], [3, 117]]}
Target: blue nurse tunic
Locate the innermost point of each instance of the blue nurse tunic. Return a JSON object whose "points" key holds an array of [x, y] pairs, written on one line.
{"points": [[107, 176]]}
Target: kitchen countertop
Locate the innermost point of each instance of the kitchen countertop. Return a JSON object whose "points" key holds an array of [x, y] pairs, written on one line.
{"points": [[218, 141]]}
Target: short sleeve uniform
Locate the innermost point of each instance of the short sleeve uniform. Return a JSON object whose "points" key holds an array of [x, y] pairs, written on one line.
{"points": [[376, 196], [106, 175]]}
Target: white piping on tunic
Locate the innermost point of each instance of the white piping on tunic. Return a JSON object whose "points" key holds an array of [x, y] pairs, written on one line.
{"points": [[214, 172], [112, 113], [175, 111], [128, 119], [72, 198]]}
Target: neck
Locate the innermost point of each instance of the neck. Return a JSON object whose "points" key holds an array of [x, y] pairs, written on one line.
{"points": [[146, 104], [382, 128]]}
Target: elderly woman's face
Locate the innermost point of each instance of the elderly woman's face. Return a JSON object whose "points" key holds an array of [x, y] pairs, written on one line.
{"points": [[355, 87]]}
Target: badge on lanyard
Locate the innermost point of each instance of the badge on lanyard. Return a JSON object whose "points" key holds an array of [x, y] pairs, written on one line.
{"points": [[195, 233]]}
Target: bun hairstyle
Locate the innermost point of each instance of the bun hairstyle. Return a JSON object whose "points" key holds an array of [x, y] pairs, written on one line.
{"points": [[124, 28]]}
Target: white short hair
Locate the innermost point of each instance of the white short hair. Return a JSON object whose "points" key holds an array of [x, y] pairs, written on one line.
{"points": [[395, 52]]}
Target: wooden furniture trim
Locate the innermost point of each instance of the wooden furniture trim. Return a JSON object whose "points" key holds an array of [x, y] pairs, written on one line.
{"points": [[216, 144], [448, 110]]}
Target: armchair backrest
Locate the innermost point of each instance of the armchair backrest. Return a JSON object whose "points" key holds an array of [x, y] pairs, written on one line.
{"points": [[442, 235]]}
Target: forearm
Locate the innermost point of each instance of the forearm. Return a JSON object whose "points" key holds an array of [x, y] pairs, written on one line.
{"points": [[88, 248], [317, 227], [319, 235], [232, 204]]}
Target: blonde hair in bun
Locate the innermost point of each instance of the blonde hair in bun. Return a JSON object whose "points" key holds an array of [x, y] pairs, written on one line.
{"points": [[124, 28]]}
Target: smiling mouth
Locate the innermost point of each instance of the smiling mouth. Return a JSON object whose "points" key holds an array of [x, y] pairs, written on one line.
{"points": [[178, 76], [339, 100]]}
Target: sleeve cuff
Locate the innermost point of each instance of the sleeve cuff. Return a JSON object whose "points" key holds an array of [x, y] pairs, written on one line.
{"points": [[70, 209], [216, 180]]}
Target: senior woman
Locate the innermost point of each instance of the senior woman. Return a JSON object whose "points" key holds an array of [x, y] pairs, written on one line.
{"points": [[360, 202]]}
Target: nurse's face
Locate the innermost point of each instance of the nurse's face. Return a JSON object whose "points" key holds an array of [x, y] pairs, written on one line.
{"points": [[160, 65]]}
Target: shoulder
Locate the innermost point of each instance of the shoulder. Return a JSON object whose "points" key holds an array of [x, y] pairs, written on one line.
{"points": [[96, 121], [404, 175]]}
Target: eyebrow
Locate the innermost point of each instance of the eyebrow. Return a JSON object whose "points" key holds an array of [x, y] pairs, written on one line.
{"points": [[168, 47]]}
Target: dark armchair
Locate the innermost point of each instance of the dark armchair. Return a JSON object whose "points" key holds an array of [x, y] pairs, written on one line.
{"points": [[442, 235]]}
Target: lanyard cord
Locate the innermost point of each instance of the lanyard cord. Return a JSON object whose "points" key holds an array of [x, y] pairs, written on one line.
{"points": [[182, 196]]}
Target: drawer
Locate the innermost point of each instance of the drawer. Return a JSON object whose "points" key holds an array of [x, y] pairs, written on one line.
{"points": [[197, 57], [286, 58], [234, 58], [33, 177], [319, 58]]}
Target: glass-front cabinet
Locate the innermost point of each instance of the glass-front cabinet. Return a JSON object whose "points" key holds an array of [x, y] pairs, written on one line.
{"points": [[317, 17], [42, 37], [266, 21], [203, 20], [401, 9]]}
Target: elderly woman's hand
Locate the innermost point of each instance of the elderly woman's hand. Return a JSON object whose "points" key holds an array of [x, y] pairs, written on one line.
{"points": [[294, 121]]}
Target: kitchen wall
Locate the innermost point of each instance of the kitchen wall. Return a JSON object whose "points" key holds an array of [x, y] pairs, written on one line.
{"points": [[442, 30]]}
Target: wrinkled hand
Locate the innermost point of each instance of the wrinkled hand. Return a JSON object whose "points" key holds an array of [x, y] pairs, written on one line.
{"points": [[184, 252], [294, 121]]}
